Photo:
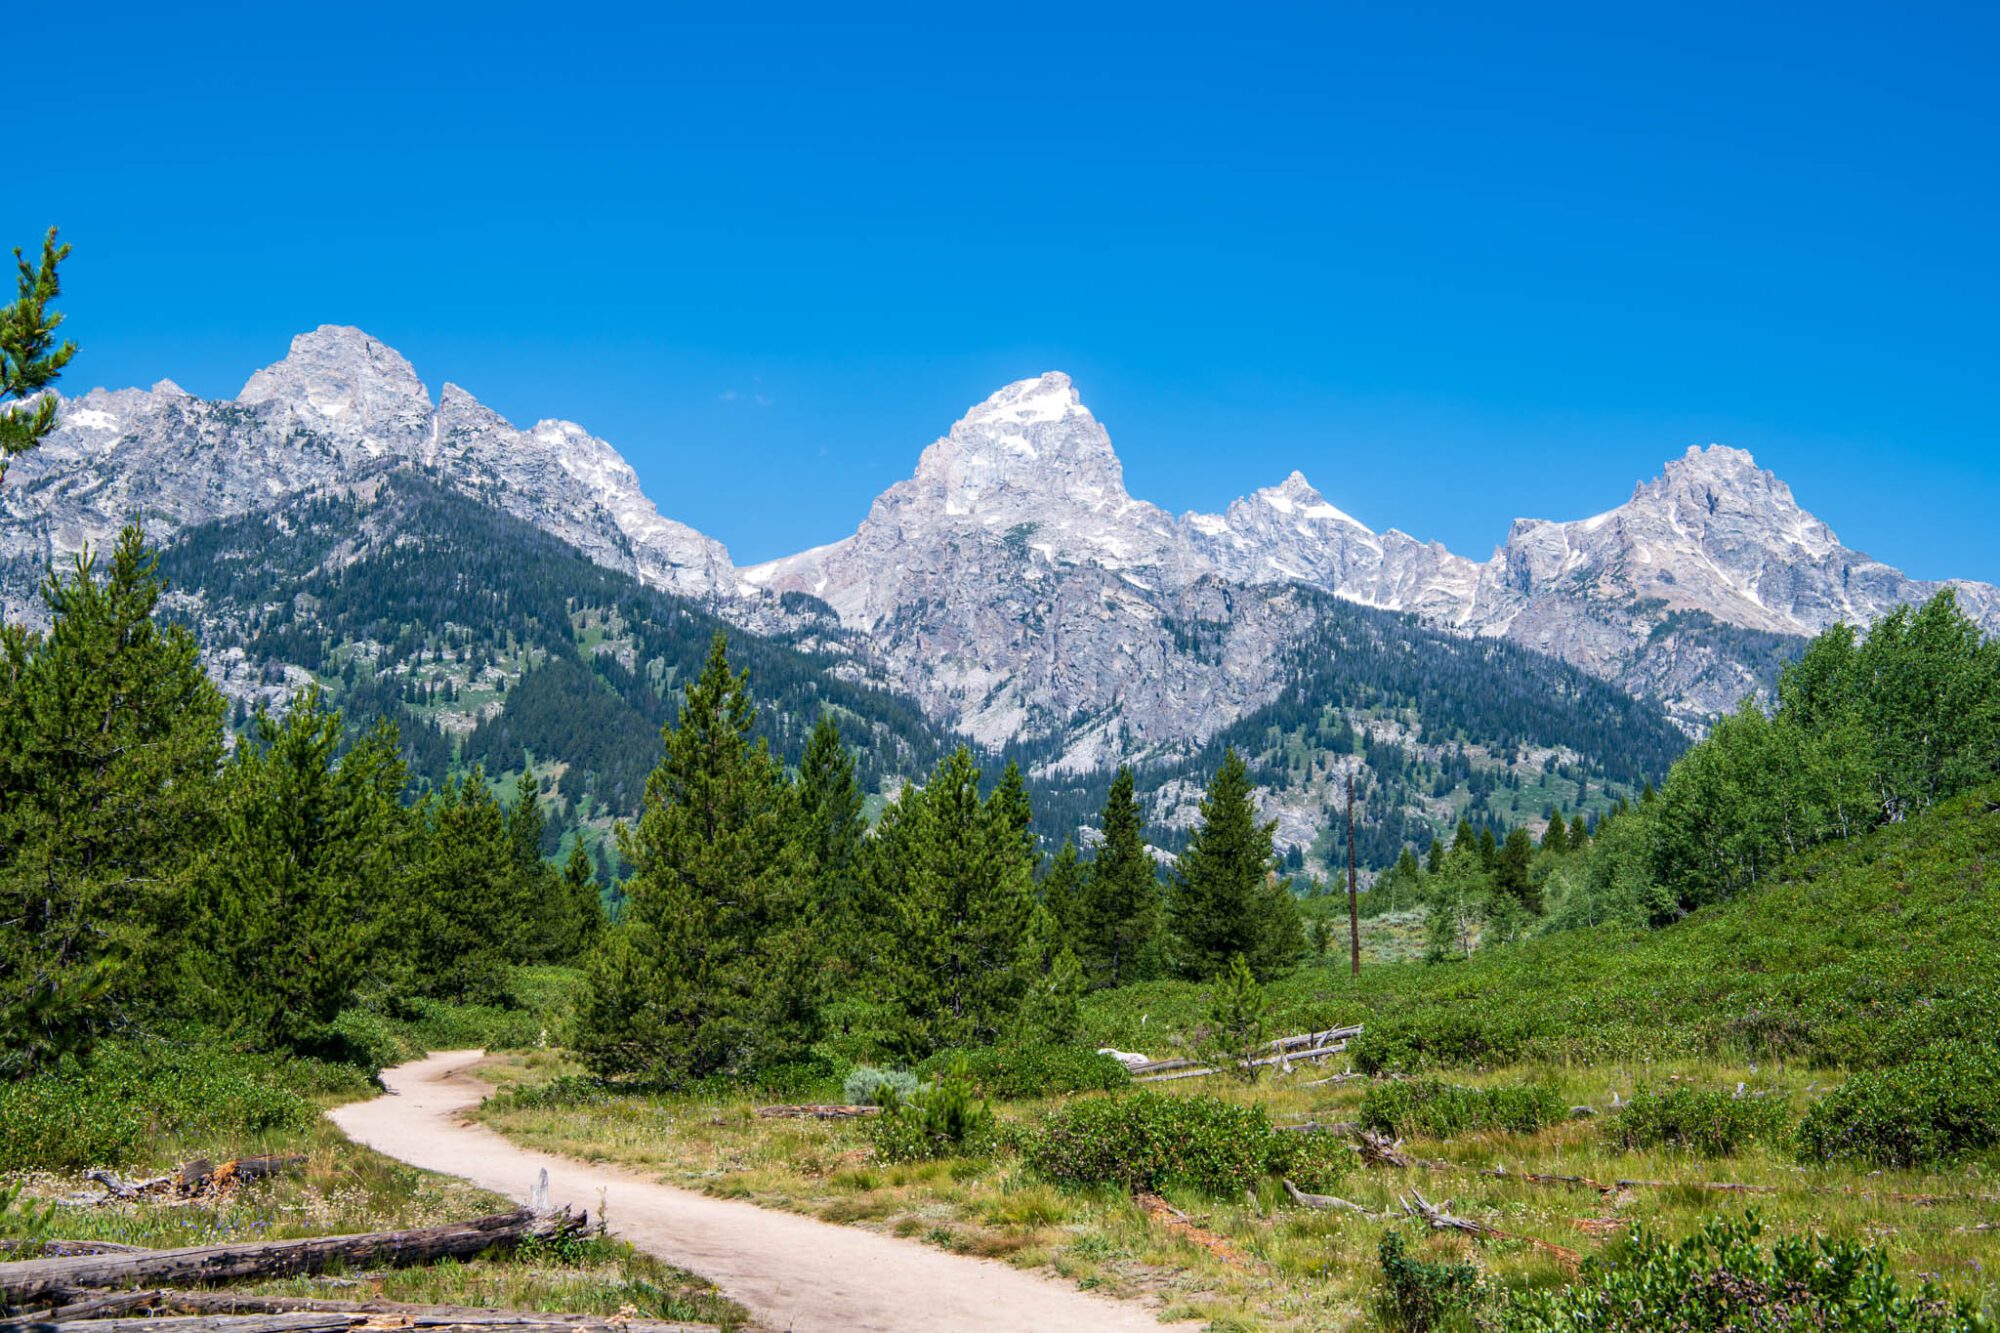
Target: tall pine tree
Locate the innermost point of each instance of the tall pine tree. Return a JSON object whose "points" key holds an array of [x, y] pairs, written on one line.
{"points": [[1118, 924], [711, 968], [110, 741], [953, 876], [1225, 898]]}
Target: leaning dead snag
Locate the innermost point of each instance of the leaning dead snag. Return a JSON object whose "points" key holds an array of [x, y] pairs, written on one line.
{"points": [[1327, 1202]]}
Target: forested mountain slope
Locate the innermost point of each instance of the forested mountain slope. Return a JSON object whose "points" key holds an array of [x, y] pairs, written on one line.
{"points": [[485, 639]]}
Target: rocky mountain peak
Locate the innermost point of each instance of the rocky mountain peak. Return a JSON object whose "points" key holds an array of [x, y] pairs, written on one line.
{"points": [[348, 387], [1033, 439]]}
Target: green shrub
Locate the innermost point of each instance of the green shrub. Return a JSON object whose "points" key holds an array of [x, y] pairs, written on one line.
{"points": [[1151, 1141], [130, 1104], [1436, 1109], [1315, 1161], [1420, 1294], [1456, 1037], [1933, 1109], [1707, 1122], [1721, 1278], [1008, 1073], [939, 1120], [557, 1094], [812, 1079], [869, 1086]]}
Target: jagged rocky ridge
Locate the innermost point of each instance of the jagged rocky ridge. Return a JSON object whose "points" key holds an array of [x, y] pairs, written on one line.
{"points": [[1014, 585], [1011, 585]]}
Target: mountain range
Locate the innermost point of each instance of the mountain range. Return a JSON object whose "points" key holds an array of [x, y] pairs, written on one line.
{"points": [[1011, 586]]}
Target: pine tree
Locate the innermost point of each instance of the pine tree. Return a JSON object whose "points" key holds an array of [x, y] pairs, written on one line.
{"points": [[1488, 849], [459, 924], [110, 741], [1579, 833], [1062, 889], [30, 360], [583, 903], [1556, 837], [951, 873], [712, 967], [1466, 839], [1434, 859], [1118, 930], [1052, 1003], [1236, 1012], [831, 829], [289, 917], [1221, 902], [1512, 871], [1011, 806], [538, 914]]}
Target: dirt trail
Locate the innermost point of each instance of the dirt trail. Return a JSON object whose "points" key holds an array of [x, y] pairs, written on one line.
{"points": [[791, 1272]]}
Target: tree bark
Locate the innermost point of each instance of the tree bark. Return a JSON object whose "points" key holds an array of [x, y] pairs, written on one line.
{"points": [[54, 1281]]}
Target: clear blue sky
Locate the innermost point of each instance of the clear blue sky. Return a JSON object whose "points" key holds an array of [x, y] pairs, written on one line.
{"points": [[1456, 263]]}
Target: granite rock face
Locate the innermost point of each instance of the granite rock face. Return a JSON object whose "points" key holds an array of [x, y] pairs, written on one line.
{"points": [[339, 405], [1011, 585]]}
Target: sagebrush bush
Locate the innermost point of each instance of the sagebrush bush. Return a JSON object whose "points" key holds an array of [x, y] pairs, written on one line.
{"points": [[1437, 1109], [128, 1104], [1933, 1109], [1707, 1122], [868, 1086], [1009, 1073], [941, 1119], [1721, 1278], [1151, 1141]]}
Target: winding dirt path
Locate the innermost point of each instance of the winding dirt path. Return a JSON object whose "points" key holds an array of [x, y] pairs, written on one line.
{"points": [[789, 1271]]}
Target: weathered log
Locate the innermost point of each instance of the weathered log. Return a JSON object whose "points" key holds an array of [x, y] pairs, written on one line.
{"points": [[1319, 1127], [1324, 1202], [1716, 1186], [1442, 1218], [487, 1321], [57, 1249], [1202, 1071], [202, 1175], [418, 1315], [817, 1112], [54, 1281], [1327, 1042], [1381, 1150]]}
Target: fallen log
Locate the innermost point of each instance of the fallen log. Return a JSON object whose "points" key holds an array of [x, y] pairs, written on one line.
{"points": [[55, 1281], [1442, 1218], [1326, 1202], [488, 1321], [1283, 1057], [817, 1112], [403, 1313], [1327, 1042], [1319, 1127], [58, 1249]]}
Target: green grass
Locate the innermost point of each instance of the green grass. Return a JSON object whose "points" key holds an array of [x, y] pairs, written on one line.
{"points": [[1860, 953]]}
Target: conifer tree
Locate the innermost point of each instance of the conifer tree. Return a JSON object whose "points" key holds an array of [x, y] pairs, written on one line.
{"points": [[712, 967], [1119, 925], [584, 904], [461, 923], [1579, 833], [110, 741], [1052, 1001], [952, 874], [30, 359], [1062, 889], [831, 829], [1236, 1013], [1221, 902], [1556, 837], [1488, 849], [1466, 839], [1512, 871], [1011, 806], [288, 918], [1434, 859]]}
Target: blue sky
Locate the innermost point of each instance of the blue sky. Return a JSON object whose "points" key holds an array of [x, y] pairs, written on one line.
{"points": [[1456, 263]]}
